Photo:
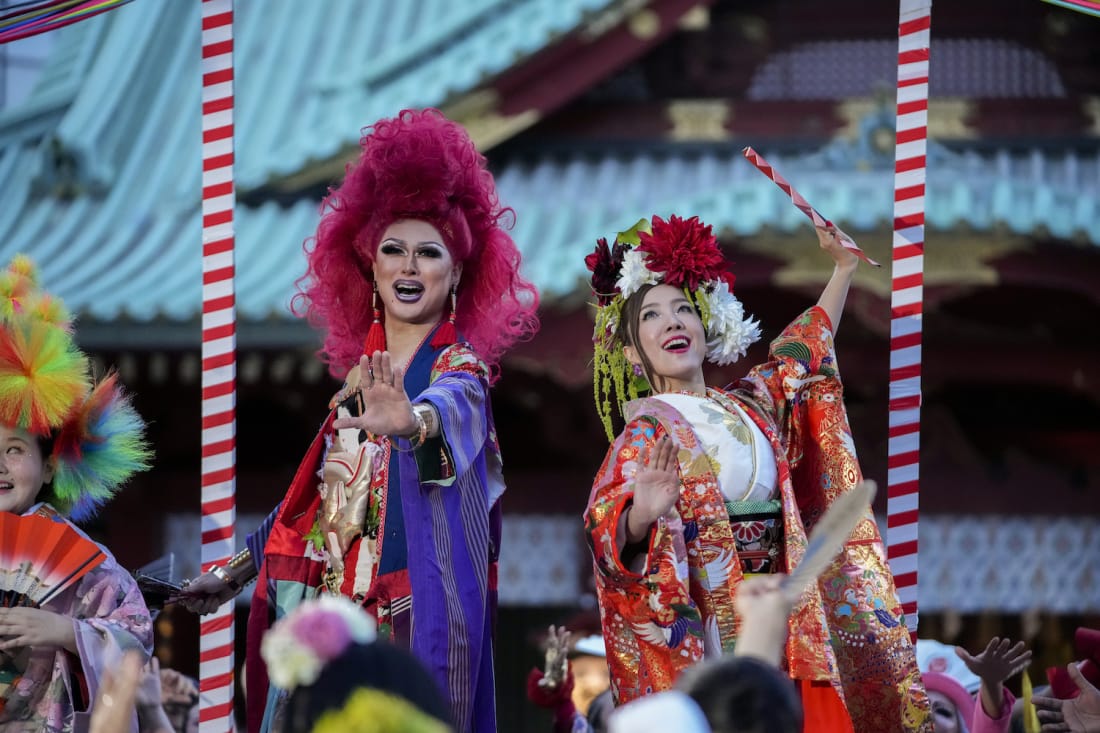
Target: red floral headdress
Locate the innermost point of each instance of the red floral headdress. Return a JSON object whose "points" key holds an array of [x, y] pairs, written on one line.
{"points": [[680, 252]]}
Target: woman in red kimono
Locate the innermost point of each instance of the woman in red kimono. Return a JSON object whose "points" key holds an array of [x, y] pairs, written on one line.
{"points": [[705, 485]]}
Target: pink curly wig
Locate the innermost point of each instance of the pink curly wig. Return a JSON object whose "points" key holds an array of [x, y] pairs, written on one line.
{"points": [[418, 165]]}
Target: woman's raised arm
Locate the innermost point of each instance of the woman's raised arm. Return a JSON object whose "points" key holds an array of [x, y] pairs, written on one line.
{"points": [[836, 290]]}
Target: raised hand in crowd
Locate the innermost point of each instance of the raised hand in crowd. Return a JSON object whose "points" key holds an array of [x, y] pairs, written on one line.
{"points": [[552, 686], [999, 660], [149, 700], [764, 609], [1079, 715], [114, 706], [127, 689], [556, 666]]}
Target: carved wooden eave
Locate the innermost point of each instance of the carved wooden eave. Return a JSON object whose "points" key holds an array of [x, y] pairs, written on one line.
{"points": [[954, 258], [948, 118]]}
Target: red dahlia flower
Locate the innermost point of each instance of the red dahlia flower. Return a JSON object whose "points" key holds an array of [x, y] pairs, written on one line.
{"points": [[686, 251]]}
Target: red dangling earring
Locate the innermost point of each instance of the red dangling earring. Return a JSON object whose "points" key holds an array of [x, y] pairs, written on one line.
{"points": [[447, 334], [376, 336]]}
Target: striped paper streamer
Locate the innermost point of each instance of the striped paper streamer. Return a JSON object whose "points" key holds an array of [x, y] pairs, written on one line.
{"points": [[907, 302], [801, 203], [1089, 7], [218, 357], [29, 18]]}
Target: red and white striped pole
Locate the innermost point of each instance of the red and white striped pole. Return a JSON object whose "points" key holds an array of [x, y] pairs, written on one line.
{"points": [[907, 302], [218, 357]]}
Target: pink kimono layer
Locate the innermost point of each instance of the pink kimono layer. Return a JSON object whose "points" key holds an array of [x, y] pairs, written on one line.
{"points": [[109, 617]]}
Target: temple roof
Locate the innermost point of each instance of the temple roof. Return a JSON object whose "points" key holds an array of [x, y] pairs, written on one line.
{"points": [[101, 164], [308, 76], [130, 255]]}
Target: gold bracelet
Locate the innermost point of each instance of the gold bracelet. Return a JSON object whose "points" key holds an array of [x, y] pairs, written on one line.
{"points": [[226, 578], [241, 559]]}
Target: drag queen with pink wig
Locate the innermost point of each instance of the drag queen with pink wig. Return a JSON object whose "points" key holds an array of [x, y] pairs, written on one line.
{"points": [[416, 286]]}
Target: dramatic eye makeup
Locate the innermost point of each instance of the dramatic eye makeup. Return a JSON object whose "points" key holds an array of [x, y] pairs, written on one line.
{"points": [[430, 250], [424, 249]]}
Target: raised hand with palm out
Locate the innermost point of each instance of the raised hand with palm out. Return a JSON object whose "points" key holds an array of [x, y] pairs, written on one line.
{"points": [[386, 408], [1078, 715], [996, 663], [656, 489]]}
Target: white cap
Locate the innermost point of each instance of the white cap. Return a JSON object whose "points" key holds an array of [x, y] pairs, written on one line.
{"points": [[659, 713], [935, 656], [593, 646]]}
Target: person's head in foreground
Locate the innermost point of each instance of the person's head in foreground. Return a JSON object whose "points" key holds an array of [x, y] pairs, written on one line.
{"points": [[952, 705], [743, 695], [341, 678], [670, 710]]}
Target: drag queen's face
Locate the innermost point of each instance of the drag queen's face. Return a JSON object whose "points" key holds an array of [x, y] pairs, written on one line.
{"points": [[414, 272], [22, 470], [670, 333]]}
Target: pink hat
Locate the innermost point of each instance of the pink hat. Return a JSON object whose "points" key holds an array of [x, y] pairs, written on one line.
{"points": [[955, 692]]}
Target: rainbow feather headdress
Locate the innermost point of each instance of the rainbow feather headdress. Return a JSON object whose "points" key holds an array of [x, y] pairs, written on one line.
{"points": [[680, 252], [46, 388]]}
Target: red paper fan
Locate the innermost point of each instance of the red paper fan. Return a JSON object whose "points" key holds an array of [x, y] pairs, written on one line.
{"points": [[40, 557]]}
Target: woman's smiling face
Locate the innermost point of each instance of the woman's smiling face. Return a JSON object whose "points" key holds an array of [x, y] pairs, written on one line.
{"points": [[22, 470], [670, 334], [414, 272]]}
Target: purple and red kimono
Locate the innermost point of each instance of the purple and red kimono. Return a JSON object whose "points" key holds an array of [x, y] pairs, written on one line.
{"points": [[428, 551]]}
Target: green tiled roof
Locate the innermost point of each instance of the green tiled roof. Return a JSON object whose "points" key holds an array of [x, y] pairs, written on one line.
{"points": [[100, 168]]}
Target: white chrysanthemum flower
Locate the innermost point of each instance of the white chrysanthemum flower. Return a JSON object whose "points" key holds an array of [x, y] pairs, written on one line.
{"points": [[295, 656], [289, 664], [634, 274], [731, 331]]}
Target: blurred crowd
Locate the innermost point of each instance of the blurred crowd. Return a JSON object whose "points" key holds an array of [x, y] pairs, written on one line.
{"points": [[341, 677]]}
